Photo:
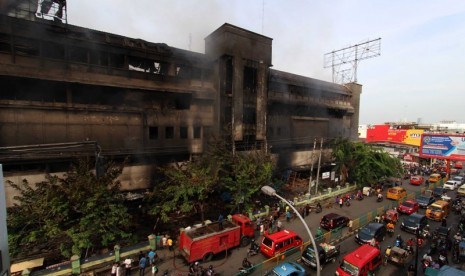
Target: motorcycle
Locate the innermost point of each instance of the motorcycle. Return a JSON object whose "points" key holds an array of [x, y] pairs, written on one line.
{"points": [[379, 199], [390, 232], [253, 250], [425, 234], [347, 202], [209, 272], [247, 268]]}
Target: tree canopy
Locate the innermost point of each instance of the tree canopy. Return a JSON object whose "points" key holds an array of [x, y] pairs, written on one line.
{"points": [[363, 163], [187, 187], [70, 214]]}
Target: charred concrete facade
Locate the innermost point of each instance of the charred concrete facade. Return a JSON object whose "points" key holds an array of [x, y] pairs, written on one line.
{"points": [[69, 87]]}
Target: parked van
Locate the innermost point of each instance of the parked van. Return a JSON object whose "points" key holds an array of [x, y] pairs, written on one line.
{"points": [[396, 193], [279, 242], [363, 261], [461, 191], [438, 210], [434, 177]]}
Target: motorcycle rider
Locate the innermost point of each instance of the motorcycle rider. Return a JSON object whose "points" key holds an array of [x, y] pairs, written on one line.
{"points": [[388, 251], [246, 263], [194, 269], [390, 228], [399, 241], [210, 271], [380, 196], [254, 247]]}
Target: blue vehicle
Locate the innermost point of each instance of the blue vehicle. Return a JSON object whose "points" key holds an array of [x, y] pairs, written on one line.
{"points": [[288, 269]]}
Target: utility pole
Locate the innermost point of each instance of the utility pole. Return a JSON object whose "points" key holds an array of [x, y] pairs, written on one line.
{"points": [[311, 168], [319, 165]]}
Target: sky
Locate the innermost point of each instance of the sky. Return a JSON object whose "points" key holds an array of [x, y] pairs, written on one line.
{"points": [[419, 75]]}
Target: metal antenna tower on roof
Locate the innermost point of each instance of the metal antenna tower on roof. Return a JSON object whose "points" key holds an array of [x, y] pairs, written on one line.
{"points": [[346, 59]]}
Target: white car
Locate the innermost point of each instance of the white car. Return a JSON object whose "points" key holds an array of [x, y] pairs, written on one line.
{"points": [[458, 179], [450, 185]]}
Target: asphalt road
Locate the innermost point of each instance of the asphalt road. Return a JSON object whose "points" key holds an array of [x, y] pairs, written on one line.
{"points": [[229, 264]]}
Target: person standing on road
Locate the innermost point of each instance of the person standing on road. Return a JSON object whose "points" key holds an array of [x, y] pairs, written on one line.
{"points": [[170, 243], [279, 225], [341, 202], [220, 222], [128, 266], [288, 215], [350, 225], [152, 254], [142, 265]]}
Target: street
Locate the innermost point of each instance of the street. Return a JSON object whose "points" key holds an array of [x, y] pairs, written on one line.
{"points": [[229, 264]]}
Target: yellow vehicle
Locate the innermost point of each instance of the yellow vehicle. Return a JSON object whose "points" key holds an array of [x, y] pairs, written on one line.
{"points": [[438, 210], [396, 193], [434, 177], [461, 191]]}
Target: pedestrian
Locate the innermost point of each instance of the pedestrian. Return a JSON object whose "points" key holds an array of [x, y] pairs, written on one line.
{"points": [[152, 254], [163, 240], [141, 254], [279, 225], [142, 265], [119, 269], [170, 244], [444, 222], [350, 225], [411, 270], [341, 202], [128, 266], [154, 269], [220, 222], [288, 216], [114, 267]]}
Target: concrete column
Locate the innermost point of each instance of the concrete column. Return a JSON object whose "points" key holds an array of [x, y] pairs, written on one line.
{"points": [[356, 90], [5, 256], [117, 253], [238, 98], [152, 241], [262, 100], [75, 264]]}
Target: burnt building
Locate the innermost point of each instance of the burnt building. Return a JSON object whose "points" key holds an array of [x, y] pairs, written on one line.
{"points": [[67, 91]]}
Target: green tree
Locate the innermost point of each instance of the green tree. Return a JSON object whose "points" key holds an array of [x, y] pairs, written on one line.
{"points": [[363, 163], [72, 214], [242, 174], [186, 187], [249, 171]]}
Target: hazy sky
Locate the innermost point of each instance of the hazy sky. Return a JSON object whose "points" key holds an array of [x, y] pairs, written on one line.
{"points": [[420, 73]]}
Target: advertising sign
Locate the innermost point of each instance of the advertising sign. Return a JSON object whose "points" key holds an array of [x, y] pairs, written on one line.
{"points": [[443, 146], [384, 133], [325, 175]]}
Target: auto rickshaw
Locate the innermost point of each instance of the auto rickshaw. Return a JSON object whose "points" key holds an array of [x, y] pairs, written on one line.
{"points": [[391, 215], [398, 256]]}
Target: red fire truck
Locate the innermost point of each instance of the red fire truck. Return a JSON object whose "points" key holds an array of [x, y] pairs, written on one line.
{"points": [[201, 243]]}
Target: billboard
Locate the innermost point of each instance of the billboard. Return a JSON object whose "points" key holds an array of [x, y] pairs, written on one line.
{"points": [[384, 133], [443, 146]]}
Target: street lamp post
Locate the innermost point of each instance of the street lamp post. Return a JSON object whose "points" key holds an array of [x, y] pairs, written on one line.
{"points": [[272, 192]]}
